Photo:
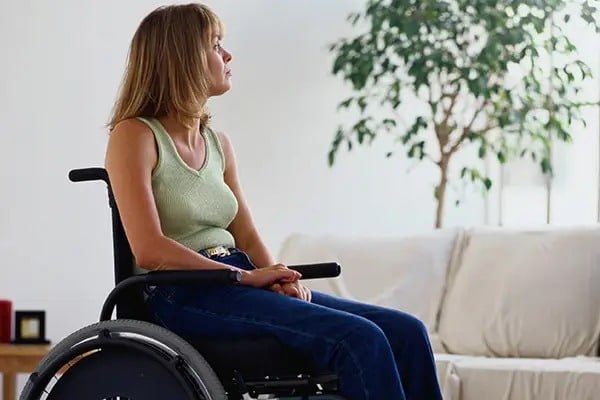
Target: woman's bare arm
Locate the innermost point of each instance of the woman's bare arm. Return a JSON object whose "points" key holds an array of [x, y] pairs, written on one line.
{"points": [[243, 228]]}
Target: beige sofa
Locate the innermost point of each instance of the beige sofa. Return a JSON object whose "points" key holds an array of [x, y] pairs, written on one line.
{"points": [[512, 314]]}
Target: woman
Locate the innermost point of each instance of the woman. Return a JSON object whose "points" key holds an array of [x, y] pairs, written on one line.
{"points": [[176, 184]]}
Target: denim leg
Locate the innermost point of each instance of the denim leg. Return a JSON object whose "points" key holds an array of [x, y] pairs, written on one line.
{"points": [[350, 345], [408, 338]]}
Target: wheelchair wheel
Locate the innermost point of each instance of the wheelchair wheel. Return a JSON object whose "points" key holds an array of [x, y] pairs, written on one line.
{"points": [[124, 359]]}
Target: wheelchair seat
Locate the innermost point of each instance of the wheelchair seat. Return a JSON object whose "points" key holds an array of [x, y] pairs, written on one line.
{"points": [[257, 358], [106, 359], [263, 356]]}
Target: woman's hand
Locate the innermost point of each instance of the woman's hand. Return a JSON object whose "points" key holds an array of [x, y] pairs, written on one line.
{"points": [[267, 276], [294, 289]]}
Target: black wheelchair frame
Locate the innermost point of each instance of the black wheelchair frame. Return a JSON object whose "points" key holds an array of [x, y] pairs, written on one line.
{"points": [[106, 360]]}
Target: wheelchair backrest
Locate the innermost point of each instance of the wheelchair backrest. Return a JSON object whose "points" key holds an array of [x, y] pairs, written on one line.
{"points": [[131, 303]]}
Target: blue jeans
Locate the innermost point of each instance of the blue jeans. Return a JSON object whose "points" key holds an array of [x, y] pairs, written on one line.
{"points": [[377, 353]]}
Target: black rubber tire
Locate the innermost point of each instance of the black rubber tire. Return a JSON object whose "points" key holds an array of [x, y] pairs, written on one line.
{"points": [[144, 331]]}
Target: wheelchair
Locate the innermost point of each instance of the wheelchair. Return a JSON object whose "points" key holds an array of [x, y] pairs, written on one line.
{"points": [[132, 358]]}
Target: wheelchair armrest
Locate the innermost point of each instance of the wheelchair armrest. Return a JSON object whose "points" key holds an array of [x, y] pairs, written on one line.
{"points": [[192, 278], [318, 270], [205, 278], [179, 278]]}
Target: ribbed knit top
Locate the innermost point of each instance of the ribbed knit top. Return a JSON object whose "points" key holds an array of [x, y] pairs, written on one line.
{"points": [[194, 206]]}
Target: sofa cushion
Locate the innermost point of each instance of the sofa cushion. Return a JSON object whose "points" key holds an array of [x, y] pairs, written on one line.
{"points": [[406, 273], [436, 343], [524, 294], [576, 378]]}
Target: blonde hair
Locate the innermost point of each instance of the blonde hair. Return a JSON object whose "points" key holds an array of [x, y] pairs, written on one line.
{"points": [[166, 66]]}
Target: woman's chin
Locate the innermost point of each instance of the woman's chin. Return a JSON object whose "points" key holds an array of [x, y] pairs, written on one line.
{"points": [[221, 89]]}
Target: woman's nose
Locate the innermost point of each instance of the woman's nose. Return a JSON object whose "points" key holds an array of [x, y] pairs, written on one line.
{"points": [[227, 57]]}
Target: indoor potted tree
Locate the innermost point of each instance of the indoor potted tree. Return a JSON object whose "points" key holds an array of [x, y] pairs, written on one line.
{"points": [[498, 74]]}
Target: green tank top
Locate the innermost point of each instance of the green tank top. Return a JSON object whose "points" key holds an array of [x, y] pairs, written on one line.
{"points": [[194, 206]]}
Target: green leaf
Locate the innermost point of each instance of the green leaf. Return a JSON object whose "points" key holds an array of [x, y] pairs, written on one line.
{"points": [[362, 103], [412, 27], [346, 103], [353, 18], [501, 157], [331, 157], [339, 63], [546, 165], [389, 123], [482, 151], [523, 153], [487, 182]]}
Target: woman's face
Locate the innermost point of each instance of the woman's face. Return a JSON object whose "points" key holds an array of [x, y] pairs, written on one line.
{"points": [[220, 73]]}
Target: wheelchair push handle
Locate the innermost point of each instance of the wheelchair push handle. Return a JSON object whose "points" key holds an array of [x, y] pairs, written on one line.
{"points": [[88, 174], [318, 270]]}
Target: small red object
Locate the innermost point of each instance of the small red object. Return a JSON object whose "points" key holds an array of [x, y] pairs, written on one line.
{"points": [[5, 321]]}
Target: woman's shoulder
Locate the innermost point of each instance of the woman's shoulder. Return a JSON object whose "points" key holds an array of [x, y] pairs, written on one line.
{"points": [[133, 131], [224, 144], [132, 126], [132, 138], [223, 139]]}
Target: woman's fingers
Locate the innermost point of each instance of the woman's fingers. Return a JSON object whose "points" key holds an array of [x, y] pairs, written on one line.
{"points": [[308, 294], [288, 275], [268, 276], [277, 288], [292, 290]]}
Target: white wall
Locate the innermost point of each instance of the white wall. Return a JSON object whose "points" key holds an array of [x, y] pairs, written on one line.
{"points": [[61, 64]]}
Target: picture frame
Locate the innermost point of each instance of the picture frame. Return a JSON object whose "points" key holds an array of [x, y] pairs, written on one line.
{"points": [[30, 327]]}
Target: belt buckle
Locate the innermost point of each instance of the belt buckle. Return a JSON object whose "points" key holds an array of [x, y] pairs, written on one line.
{"points": [[218, 251]]}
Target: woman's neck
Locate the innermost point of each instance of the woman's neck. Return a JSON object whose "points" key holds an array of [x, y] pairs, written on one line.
{"points": [[177, 130]]}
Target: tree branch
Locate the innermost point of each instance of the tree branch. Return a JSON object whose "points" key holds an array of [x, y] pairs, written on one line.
{"points": [[468, 129], [465, 133], [441, 128], [478, 111], [448, 112]]}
